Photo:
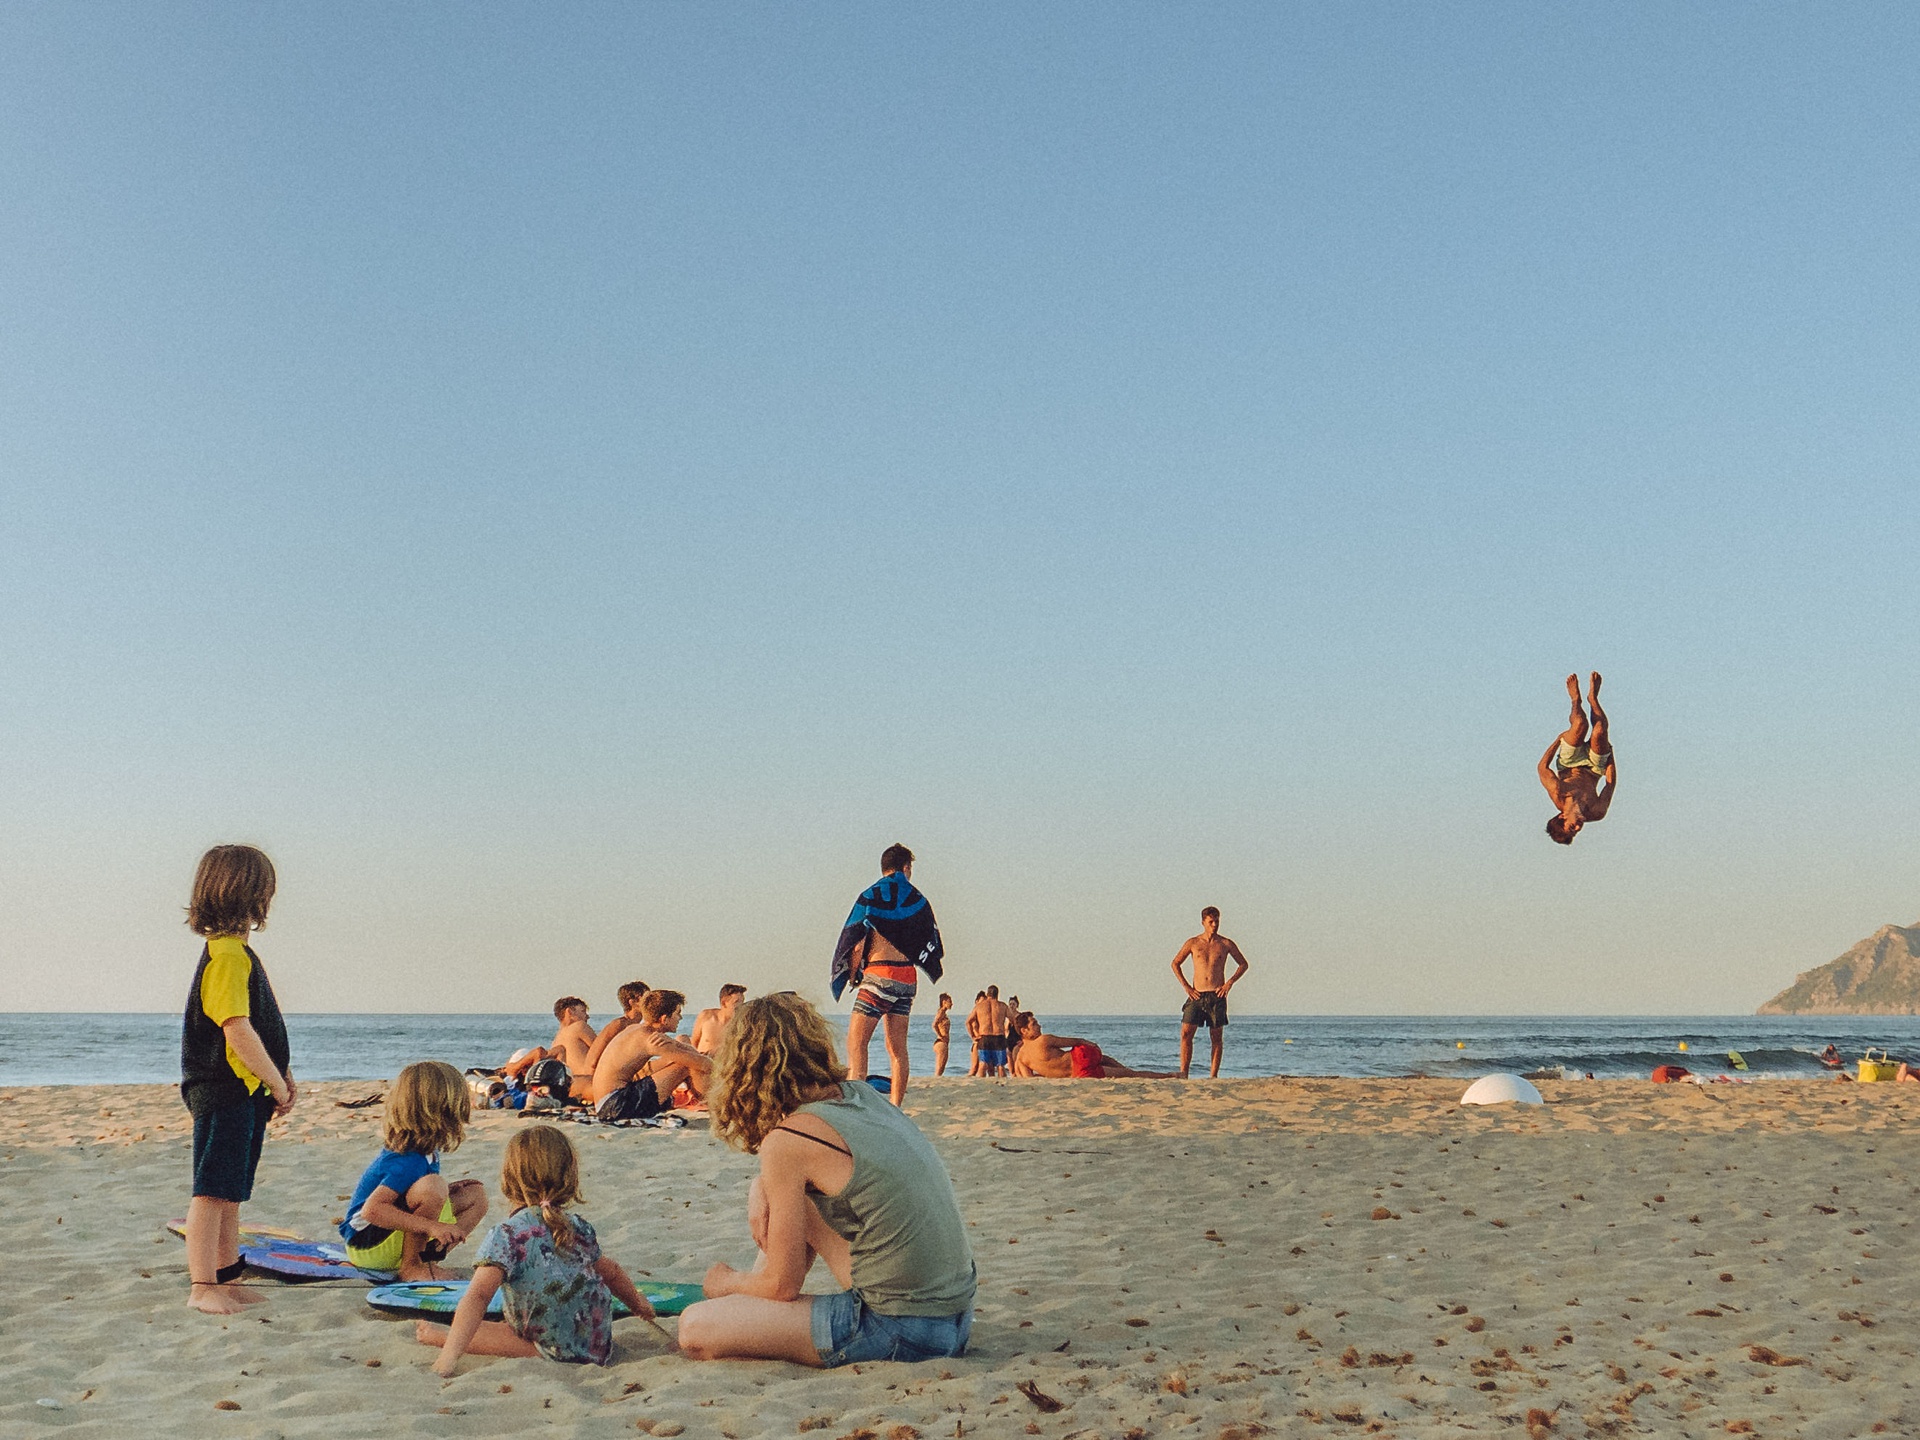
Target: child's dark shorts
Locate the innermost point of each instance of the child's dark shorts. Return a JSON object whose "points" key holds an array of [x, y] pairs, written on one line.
{"points": [[226, 1148]]}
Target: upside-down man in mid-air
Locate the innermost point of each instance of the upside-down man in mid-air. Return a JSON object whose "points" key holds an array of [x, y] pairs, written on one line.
{"points": [[1576, 763]]}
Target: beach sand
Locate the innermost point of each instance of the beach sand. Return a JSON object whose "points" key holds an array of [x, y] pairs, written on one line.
{"points": [[1212, 1259]]}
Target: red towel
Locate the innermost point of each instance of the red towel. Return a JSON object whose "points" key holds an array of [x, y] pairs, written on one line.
{"points": [[1088, 1063]]}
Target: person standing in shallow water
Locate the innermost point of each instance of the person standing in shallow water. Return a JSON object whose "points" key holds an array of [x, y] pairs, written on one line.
{"points": [[1207, 994]]}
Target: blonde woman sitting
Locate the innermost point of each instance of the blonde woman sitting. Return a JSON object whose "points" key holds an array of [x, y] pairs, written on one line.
{"points": [[846, 1178]]}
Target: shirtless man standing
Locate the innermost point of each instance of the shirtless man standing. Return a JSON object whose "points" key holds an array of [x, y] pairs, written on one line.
{"points": [[989, 1023], [1207, 995], [1067, 1057], [1574, 766], [712, 1022], [637, 1075]]}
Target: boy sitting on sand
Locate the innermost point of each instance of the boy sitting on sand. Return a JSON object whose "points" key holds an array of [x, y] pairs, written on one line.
{"points": [[572, 1044], [235, 1073], [629, 995], [403, 1215], [640, 1070], [1042, 1056]]}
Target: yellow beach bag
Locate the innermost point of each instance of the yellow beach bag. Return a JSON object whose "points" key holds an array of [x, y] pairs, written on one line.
{"points": [[1881, 1069]]}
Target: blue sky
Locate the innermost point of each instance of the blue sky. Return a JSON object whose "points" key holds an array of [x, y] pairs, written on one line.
{"points": [[575, 485]]}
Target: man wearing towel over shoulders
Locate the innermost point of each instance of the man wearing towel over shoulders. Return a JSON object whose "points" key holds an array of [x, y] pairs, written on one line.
{"points": [[890, 930], [1207, 995]]}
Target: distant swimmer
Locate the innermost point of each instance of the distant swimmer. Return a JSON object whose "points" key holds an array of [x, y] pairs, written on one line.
{"points": [[1576, 763], [1207, 995]]}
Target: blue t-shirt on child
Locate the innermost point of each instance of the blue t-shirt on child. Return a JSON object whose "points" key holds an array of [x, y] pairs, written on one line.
{"points": [[553, 1297], [399, 1171]]}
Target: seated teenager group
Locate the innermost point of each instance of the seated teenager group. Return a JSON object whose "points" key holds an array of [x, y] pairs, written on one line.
{"points": [[845, 1178], [636, 1065]]}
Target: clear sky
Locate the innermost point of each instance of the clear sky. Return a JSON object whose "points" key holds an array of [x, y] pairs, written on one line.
{"points": [[574, 483]]}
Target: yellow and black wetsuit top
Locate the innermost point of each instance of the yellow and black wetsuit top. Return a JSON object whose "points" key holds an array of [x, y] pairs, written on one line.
{"points": [[229, 983]]}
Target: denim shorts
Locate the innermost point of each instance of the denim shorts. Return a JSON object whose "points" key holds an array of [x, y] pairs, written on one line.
{"points": [[846, 1332]]}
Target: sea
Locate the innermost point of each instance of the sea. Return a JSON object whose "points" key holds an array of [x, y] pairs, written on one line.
{"points": [[49, 1049]]}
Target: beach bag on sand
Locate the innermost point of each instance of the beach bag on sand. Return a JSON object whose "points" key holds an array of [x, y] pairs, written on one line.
{"points": [[1881, 1069]]}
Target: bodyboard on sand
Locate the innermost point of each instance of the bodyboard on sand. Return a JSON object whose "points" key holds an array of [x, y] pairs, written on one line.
{"points": [[287, 1254], [442, 1297]]}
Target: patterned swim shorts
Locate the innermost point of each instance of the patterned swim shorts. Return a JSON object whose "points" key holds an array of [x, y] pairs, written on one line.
{"points": [[880, 996]]}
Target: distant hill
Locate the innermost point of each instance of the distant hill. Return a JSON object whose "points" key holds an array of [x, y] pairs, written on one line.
{"points": [[1879, 976]]}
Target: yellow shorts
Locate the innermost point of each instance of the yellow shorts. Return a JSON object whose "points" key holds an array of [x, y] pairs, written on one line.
{"points": [[1582, 757], [387, 1253]]}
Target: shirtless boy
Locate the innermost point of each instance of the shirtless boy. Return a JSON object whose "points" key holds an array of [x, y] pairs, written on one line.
{"points": [[640, 1070], [630, 995], [990, 1021], [1207, 995], [1067, 1057], [711, 1023], [572, 1043], [1575, 764]]}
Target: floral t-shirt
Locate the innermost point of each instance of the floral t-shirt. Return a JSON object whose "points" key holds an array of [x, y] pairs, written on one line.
{"points": [[553, 1297]]}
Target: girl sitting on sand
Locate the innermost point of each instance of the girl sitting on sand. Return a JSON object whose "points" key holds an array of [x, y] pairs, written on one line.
{"points": [[845, 1177], [560, 1288], [403, 1216]]}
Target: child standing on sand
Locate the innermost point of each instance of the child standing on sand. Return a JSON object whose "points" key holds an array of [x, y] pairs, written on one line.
{"points": [[234, 1068], [559, 1287], [403, 1216]]}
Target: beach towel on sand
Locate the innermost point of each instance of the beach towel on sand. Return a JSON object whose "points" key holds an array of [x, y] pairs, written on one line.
{"points": [[901, 916]]}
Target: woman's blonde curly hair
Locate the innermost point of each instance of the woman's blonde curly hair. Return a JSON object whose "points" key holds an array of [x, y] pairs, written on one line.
{"points": [[776, 1049]]}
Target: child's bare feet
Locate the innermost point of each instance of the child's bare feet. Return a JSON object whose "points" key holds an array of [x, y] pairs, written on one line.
{"points": [[428, 1333], [214, 1300], [246, 1295]]}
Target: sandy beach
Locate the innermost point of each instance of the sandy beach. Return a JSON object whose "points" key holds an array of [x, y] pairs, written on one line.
{"points": [[1214, 1259]]}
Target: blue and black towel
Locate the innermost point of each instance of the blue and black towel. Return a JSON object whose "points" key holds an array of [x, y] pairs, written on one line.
{"points": [[900, 915]]}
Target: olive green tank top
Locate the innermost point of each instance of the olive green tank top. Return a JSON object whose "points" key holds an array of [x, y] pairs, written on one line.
{"points": [[898, 1214]]}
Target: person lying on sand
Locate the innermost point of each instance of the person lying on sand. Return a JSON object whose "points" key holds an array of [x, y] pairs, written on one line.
{"points": [[641, 1069], [1575, 764], [1042, 1056]]}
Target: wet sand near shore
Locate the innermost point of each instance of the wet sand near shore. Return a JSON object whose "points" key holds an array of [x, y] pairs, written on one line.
{"points": [[1213, 1259]]}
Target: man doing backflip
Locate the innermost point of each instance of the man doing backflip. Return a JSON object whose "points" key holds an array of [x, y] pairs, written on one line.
{"points": [[1575, 764], [1207, 995]]}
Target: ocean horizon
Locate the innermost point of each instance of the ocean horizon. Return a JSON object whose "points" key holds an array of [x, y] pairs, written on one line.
{"points": [[52, 1048]]}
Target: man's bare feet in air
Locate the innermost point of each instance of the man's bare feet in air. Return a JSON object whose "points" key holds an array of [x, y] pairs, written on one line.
{"points": [[1593, 686], [215, 1300], [1573, 688]]}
